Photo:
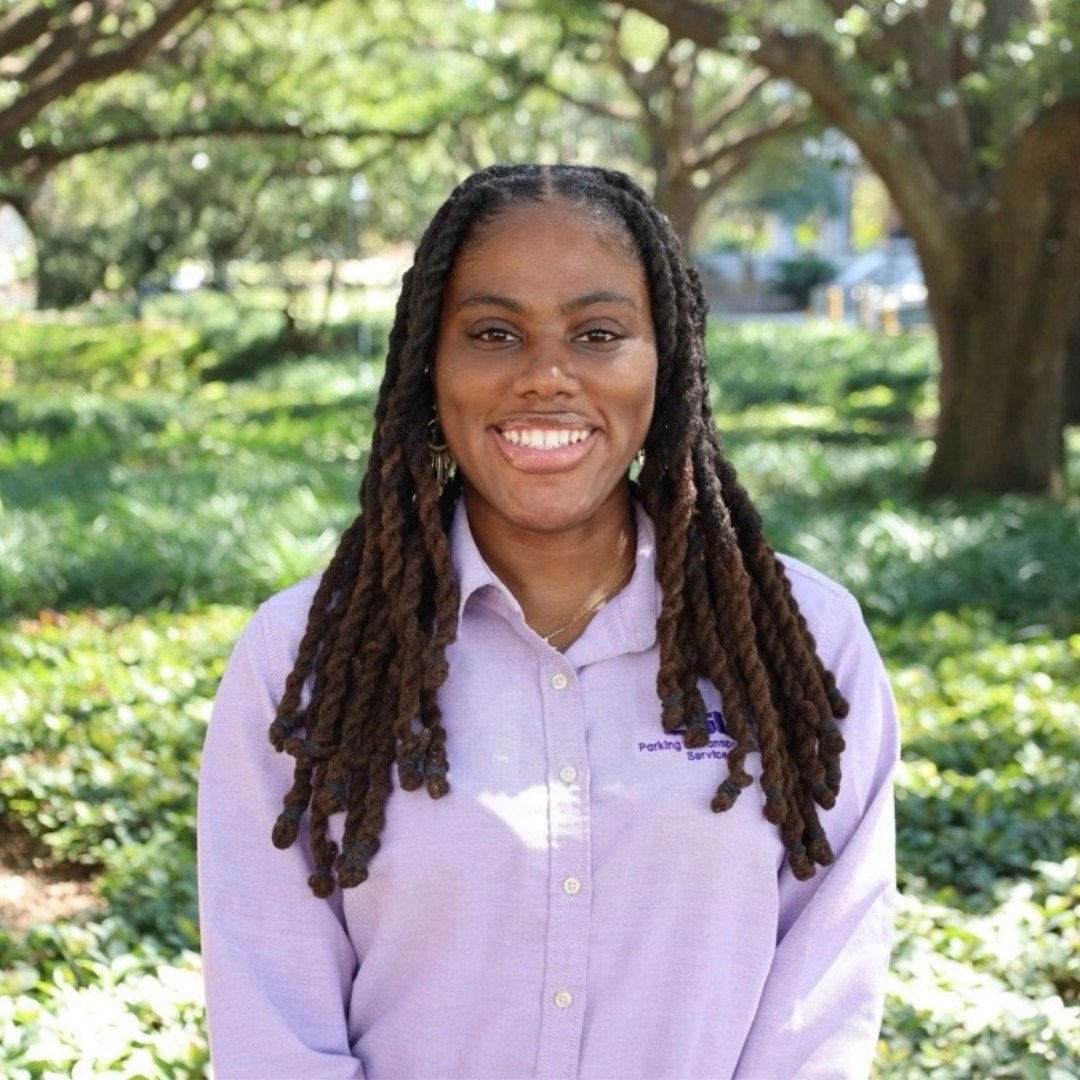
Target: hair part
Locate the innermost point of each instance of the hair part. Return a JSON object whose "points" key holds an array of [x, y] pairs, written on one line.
{"points": [[362, 697]]}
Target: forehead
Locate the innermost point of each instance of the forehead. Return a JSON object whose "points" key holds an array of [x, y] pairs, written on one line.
{"points": [[544, 235]]}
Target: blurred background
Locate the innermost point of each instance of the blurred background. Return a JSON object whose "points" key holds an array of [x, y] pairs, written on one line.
{"points": [[205, 212]]}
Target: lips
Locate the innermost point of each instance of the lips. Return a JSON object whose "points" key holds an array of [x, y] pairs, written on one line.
{"points": [[544, 449]]}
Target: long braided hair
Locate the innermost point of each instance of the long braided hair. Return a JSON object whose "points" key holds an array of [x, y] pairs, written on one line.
{"points": [[363, 695]]}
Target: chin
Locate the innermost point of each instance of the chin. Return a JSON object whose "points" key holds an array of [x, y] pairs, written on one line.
{"points": [[540, 521], [553, 516], [546, 507]]}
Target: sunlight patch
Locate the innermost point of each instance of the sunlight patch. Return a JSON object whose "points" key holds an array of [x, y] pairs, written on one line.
{"points": [[525, 814]]}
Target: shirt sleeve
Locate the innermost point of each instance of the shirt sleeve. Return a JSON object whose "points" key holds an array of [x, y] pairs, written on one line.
{"points": [[820, 1012], [278, 962]]}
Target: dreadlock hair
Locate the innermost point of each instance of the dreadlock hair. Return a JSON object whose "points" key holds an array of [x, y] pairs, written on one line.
{"points": [[362, 697]]}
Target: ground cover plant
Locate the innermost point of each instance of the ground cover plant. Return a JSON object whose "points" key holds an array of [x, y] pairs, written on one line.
{"points": [[146, 506]]}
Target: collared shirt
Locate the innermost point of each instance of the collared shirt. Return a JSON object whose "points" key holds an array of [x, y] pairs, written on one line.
{"points": [[572, 908]]}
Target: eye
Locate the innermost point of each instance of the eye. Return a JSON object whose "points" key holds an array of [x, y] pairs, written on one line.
{"points": [[599, 335], [492, 335]]}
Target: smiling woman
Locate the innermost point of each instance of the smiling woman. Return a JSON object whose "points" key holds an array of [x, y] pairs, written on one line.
{"points": [[544, 387], [578, 668]]}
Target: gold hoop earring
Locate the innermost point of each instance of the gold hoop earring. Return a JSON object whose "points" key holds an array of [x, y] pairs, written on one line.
{"points": [[442, 461]]}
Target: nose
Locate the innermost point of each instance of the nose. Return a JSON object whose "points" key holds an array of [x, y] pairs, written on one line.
{"points": [[547, 371]]}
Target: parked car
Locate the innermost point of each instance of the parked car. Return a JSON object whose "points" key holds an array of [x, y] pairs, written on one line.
{"points": [[881, 290]]}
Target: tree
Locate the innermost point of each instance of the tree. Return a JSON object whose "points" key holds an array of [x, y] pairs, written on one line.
{"points": [[335, 96], [693, 118], [216, 201], [48, 51], [703, 117], [411, 84], [970, 114]]}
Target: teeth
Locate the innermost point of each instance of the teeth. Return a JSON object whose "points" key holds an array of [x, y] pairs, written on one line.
{"points": [[544, 439]]}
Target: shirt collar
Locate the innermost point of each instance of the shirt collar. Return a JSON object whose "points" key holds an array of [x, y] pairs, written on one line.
{"points": [[626, 624], [473, 573]]}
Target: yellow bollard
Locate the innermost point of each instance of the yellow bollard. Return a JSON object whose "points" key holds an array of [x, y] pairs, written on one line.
{"points": [[834, 303]]}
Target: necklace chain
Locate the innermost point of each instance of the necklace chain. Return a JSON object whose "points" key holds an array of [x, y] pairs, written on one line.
{"points": [[594, 605]]}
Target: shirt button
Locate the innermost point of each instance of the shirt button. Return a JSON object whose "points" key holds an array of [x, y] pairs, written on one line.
{"points": [[559, 681], [564, 999], [568, 774], [571, 886]]}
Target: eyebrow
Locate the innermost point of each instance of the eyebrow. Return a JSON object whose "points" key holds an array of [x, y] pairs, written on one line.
{"points": [[494, 299], [600, 296]]}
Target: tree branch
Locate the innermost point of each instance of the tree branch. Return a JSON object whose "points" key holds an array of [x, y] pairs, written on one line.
{"points": [[63, 40], [96, 68], [18, 201], [26, 22], [724, 175], [1049, 149], [47, 157], [1000, 19], [735, 101], [929, 210], [694, 20], [780, 125], [1035, 219], [602, 110]]}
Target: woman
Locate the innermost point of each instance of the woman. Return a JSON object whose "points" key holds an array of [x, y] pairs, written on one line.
{"points": [[621, 706]]}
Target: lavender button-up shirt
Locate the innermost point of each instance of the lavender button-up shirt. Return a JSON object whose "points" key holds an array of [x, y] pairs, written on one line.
{"points": [[572, 908]]}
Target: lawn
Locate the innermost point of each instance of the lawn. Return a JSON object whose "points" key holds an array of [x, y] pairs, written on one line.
{"points": [[145, 507]]}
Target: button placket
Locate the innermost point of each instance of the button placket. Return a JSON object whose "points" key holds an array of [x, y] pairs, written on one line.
{"points": [[568, 909]]}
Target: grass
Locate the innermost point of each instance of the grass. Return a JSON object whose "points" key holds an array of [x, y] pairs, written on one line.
{"points": [[145, 510]]}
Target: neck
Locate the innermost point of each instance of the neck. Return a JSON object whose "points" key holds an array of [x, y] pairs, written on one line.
{"points": [[557, 576]]}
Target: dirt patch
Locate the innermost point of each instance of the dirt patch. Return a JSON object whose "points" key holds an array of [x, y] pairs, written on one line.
{"points": [[28, 897], [32, 891]]}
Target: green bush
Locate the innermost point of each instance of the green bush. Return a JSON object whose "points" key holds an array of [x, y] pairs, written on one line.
{"points": [[797, 277], [99, 754], [850, 372], [35, 353]]}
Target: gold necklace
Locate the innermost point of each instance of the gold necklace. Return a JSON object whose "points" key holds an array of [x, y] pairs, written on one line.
{"points": [[594, 605]]}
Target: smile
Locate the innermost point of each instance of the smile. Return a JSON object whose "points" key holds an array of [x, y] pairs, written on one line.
{"points": [[544, 439], [545, 449]]}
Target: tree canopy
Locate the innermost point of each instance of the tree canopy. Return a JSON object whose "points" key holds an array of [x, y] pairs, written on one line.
{"points": [[410, 97], [48, 51], [246, 137], [970, 113]]}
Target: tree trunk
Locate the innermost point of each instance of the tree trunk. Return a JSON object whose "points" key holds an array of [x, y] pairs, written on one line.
{"points": [[681, 202], [1072, 372], [1003, 308], [68, 272], [1002, 335], [998, 428]]}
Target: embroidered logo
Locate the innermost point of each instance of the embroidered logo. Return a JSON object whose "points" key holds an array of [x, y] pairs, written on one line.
{"points": [[720, 743]]}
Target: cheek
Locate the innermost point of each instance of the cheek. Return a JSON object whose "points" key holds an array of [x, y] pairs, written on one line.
{"points": [[455, 408], [447, 382], [646, 395]]}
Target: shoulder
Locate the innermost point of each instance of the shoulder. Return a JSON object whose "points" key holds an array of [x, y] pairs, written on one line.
{"points": [[830, 610], [291, 605], [871, 729], [846, 647], [811, 583], [272, 637]]}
